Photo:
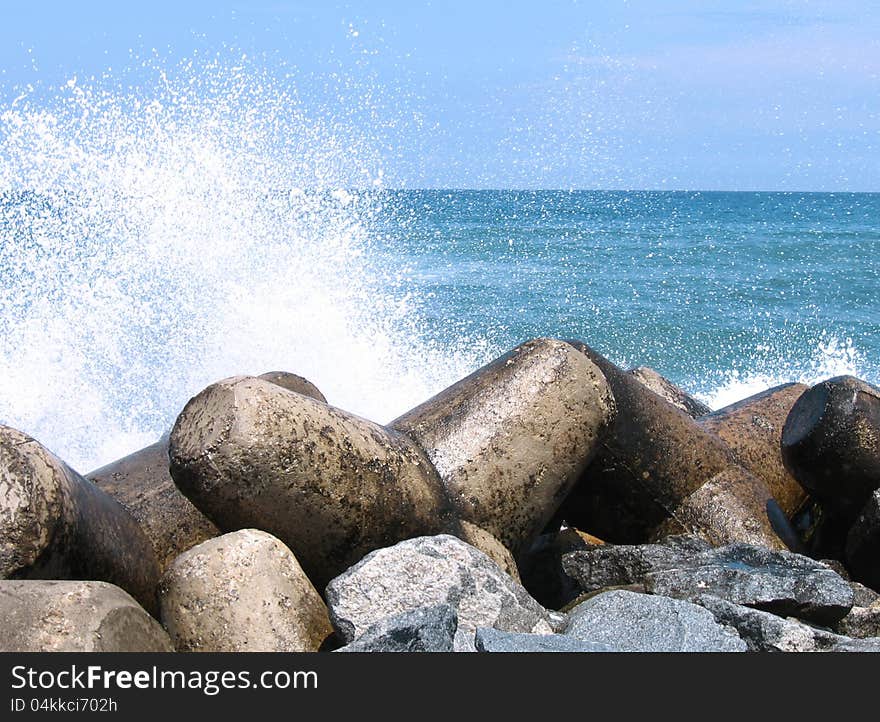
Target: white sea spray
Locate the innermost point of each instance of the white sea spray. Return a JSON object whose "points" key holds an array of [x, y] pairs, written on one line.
{"points": [[159, 236]]}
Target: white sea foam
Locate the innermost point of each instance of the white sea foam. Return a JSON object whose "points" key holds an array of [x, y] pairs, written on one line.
{"points": [[209, 224], [832, 357], [201, 227]]}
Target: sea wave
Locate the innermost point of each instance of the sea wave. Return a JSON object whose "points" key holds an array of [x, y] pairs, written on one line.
{"points": [[831, 357], [158, 237]]}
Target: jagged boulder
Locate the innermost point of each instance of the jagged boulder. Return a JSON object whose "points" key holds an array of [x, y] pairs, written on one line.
{"points": [[634, 622], [427, 571]]}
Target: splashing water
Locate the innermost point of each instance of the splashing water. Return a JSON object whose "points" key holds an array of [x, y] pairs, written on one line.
{"points": [[831, 358], [157, 239], [217, 220]]}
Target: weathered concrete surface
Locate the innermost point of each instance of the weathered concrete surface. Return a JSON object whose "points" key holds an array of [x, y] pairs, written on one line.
{"points": [[779, 582], [430, 629], [292, 382], [653, 457], [633, 622], [242, 592], [427, 571], [766, 632], [330, 485], [510, 440], [142, 484], [831, 444], [664, 388], [862, 550], [732, 506], [56, 525], [752, 428], [73, 616], [480, 539], [493, 640]]}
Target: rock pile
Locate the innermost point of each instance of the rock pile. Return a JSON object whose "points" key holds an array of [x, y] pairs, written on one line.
{"points": [[549, 502]]}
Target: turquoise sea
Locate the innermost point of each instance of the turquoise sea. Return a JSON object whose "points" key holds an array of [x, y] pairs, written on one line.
{"points": [[383, 298], [154, 240], [706, 287]]}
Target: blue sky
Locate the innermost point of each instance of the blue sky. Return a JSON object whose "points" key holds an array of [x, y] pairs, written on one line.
{"points": [[554, 94]]}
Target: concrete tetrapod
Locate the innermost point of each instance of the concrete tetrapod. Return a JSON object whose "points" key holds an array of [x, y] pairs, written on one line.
{"points": [[664, 388], [752, 428], [862, 549], [330, 485], [293, 382], [142, 483], [651, 464], [831, 444], [511, 440], [56, 525], [74, 616], [734, 505], [242, 592]]}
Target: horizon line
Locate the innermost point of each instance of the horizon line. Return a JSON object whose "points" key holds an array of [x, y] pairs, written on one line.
{"points": [[623, 190], [462, 189]]}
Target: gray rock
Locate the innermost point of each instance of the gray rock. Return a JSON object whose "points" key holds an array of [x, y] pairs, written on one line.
{"points": [[838, 567], [621, 564], [493, 640], [848, 644], [863, 596], [861, 622], [684, 567], [558, 620], [73, 616], [426, 571], [766, 632], [780, 582], [422, 630], [242, 592], [633, 622]]}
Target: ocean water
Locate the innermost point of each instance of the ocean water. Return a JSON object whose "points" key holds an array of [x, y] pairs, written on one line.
{"points": [[725, 293], [155, 240]]}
